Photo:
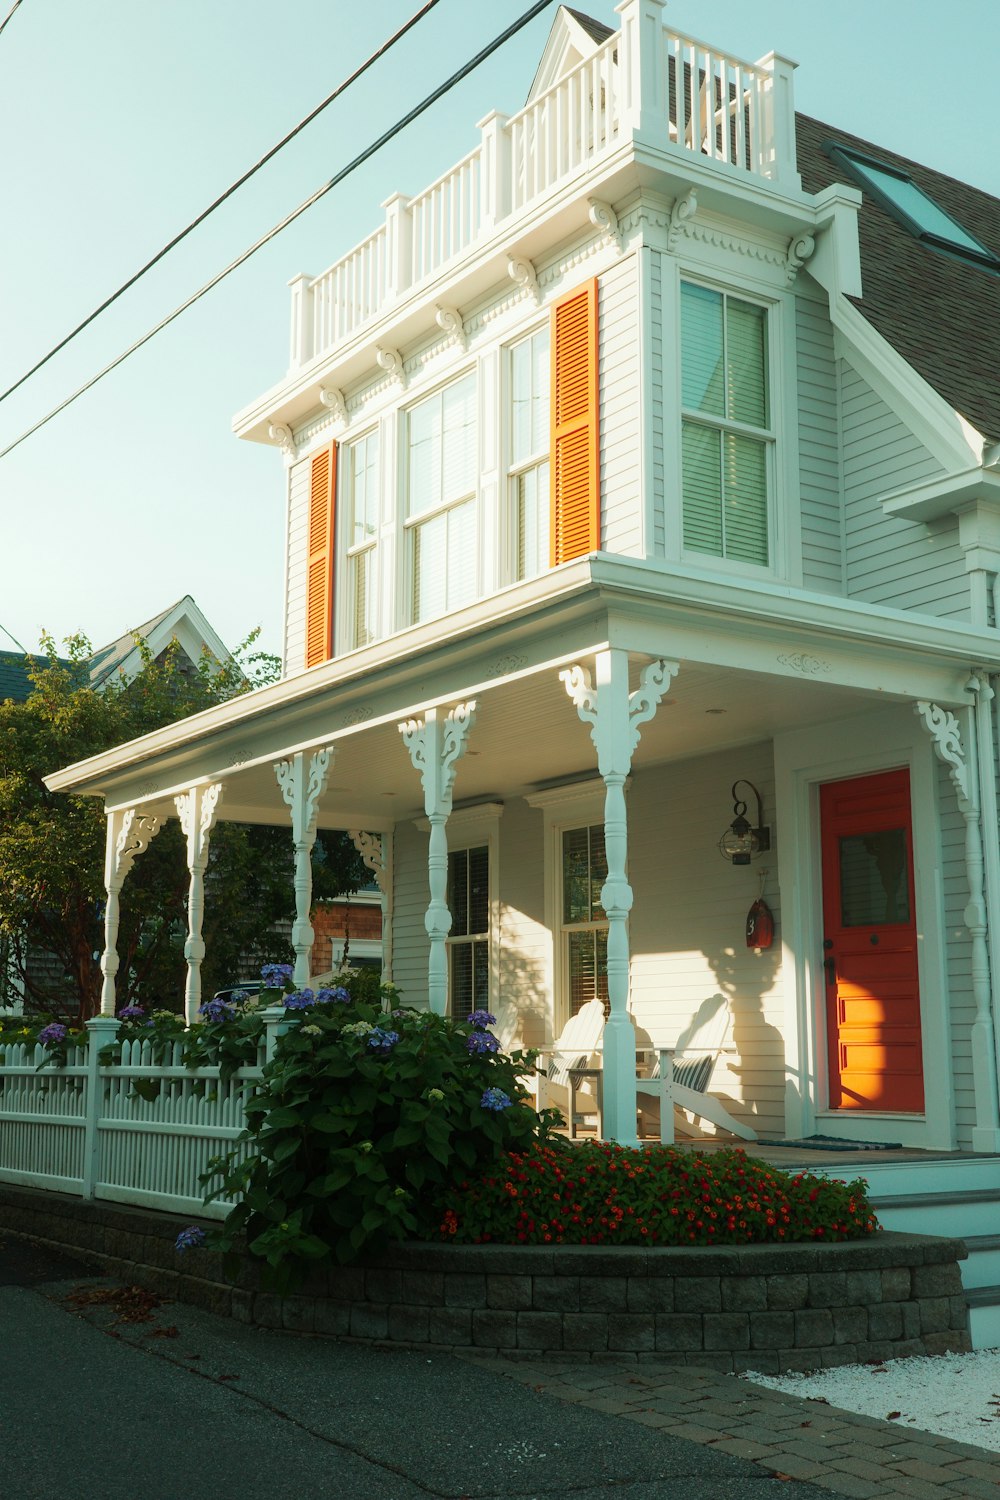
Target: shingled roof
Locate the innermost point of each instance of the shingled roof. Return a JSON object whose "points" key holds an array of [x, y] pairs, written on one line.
{"points": [[941, 314]]}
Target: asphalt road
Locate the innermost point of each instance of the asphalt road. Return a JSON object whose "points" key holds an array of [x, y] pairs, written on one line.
{"points": [[112, 1397]]}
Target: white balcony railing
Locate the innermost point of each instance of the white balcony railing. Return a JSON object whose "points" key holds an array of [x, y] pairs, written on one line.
{"points": [[646, 83]]}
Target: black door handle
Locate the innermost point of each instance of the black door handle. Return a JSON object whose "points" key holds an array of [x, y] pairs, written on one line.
{"points": [[831, 970]]}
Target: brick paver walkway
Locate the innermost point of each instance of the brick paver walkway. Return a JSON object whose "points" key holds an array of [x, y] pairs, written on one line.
{"points": [[791, 1436]]}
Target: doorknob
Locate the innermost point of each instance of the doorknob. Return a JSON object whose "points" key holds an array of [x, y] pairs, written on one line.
{"points": [[831, 970]]}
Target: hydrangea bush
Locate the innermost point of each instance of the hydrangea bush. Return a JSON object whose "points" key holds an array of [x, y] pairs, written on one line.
{"points": [[369, 1111]]}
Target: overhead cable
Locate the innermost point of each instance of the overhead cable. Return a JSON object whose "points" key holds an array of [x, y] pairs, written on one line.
{"points": [[3, 23]]}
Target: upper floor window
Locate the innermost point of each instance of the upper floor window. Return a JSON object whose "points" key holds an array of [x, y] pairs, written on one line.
{"points": [[726, 436], [441, 469], [360, 496], [529, 453]]}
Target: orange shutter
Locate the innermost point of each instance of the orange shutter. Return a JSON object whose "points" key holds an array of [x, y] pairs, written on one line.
{"points": [[319, 572], [575, 526]]}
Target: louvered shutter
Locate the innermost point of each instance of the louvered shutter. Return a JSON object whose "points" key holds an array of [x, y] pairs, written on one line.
{"points": [[575, 471], [319, 573]]}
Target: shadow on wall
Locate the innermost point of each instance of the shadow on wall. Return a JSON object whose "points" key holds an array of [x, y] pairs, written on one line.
{"points": [[745, 978], [522, 1004]]}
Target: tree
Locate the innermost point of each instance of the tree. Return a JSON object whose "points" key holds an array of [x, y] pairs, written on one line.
{"points": [[52, 844]]}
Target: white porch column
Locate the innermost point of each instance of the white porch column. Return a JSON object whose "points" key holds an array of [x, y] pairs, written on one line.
{"points": [[196, 809], [302, 783], [128, 833], [436, 745], [615, 715], [963, 768], [376, 855]]}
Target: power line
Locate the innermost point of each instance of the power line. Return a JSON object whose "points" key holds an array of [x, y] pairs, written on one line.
{"points": [[3, 23], [389, 43], [359, 160]]}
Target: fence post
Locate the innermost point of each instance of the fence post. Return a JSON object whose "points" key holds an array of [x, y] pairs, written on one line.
{"points": [[275, 1025], [494, 171], [779, 122], [301, 351], [399, 244], [101, 1032]]}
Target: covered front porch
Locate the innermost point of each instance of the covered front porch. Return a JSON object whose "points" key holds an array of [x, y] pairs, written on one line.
{"points": [[618, 697]]}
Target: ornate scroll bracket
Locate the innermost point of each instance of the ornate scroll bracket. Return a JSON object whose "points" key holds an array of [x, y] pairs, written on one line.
{"points": [[451, 323], [302, 789], [945, 730], [197, 811], [580, 686], [435, 747], [391, 361], [372, 851], [136, 833], [681, 215], [522, 274], [654, 682], [281, 434], [334, 400], [800, 247], [604, 218]]}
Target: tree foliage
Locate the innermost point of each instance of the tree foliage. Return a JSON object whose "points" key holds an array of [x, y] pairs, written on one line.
{"points": [[52, 844]]}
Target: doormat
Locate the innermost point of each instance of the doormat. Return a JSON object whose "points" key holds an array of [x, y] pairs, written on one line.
{"points": [[835, 1143]]}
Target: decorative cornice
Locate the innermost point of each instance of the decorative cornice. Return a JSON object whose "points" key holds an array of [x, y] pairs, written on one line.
{"points": [[450, 322], [801, 661], [682, 218], [333, 399], [800, 247], [523, 274], [391, 361], [723, 239], [281, 434], [604, 219]]}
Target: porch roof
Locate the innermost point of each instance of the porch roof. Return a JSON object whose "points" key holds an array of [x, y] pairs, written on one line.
{"points": [[767, 660]]}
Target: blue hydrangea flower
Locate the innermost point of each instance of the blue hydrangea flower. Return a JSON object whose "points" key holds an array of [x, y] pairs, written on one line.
{"points": [[381, 1040], [131, 1013], [239, 996], [53, 1033], [275, 975], [217, 1010], [495, 1099], [301, 1000], [337, 996], [481, 1042], [191, 1238], [481, 1019]]}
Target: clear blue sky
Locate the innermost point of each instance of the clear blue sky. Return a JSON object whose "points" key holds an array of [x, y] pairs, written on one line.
{"points": [[121, 120]]}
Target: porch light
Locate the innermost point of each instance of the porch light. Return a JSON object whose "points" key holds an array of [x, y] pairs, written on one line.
{"points": [[740, 843]]}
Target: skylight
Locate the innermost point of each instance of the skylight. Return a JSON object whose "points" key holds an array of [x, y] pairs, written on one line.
{"points": [[896, 191]]}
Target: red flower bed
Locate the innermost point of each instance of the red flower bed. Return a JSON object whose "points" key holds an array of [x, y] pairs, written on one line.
{"points": [[596, 1193]]}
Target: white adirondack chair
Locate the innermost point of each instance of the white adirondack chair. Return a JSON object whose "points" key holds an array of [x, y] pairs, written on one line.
{"points": [[571, 1064], [679, 1077]]}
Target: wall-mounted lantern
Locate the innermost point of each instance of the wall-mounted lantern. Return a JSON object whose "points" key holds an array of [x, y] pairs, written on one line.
{"points": [[740, 843]]}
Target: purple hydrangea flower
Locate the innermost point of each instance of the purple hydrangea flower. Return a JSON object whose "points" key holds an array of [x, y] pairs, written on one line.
{"points": [[382, 1040], [53, 1033], [217, 1010], [481, 1019], [131, 1013], [275, 975], [239, 996], [301, 1000], [495, 1099], [191, 1238], [336, 996], [481, 1042]]}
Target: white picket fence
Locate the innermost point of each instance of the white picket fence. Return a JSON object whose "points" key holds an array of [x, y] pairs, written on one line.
{"points": [[85, 1129]]}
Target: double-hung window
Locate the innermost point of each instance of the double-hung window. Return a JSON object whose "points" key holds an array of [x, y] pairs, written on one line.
{"points": [[726, 420], [529, 453], [441, 463], [361, 493], [469, 938], [584, 921]]}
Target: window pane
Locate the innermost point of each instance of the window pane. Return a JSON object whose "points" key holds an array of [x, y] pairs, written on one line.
{"points": [[479, 889], [746, 372], [461, 561], [424, 456], [363, 481], [702, 489], [701, 346], [588, 969], [458, 475], [530, 397], [576, 875], [598, 871], [874, 885], [916, 204], [458, 892], [745, 465], [533, 521], [363, 571], [429, 581], [462, 988], [481, 975]]}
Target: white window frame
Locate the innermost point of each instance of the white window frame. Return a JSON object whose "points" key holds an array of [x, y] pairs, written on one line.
{"points": [[472, 828], [513, 470], [408, 525], [349, 551]]}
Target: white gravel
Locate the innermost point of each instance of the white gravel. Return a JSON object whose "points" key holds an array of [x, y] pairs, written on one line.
{"points": [[953, 1395]]}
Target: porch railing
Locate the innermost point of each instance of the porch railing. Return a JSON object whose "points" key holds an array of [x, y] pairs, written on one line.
{"points": [[646, 82]]}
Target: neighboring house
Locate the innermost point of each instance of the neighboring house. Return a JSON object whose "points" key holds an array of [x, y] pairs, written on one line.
{"points": [[648, 460]]}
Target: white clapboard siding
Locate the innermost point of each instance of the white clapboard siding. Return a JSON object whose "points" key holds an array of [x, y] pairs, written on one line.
{"points": [[819, 449], [892, 561], [410, 898], [298, 526], [619, 356], [525, 943], [654, 325], [961, 1004]]}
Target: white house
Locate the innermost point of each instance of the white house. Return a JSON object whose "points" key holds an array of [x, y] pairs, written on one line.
{"points": [[645, 463]]}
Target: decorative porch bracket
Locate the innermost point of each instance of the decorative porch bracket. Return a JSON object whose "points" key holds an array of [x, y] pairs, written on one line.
{"points": [[960, 758], [376, 855], [302, 783], [129, 832], [196, 809], [436, 746], [615, 717]]}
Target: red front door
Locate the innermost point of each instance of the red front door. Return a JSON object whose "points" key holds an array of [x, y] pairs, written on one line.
{"points": [[870, 945]]}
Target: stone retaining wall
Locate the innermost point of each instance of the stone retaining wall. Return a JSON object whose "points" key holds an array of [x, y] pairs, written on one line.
{"points": [[759, 1307]]}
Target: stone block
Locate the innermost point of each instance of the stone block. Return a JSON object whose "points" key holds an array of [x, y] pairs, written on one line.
{"points": [[717, 1359], [241, 1308], [678, 1332], [896, 1283], [539, 1330], [765, 1361], [787, 1293], [347, 1283], [813, 1327], [555, 1293], [828, 1290], [331, 1318], [603, 1294], [632, 1331], [864, 1288], [886, 1321], [408, 1323], [850, 1325], [726, 1330], [743, 1293], [585, 1331], [298, 1314], [465, 1289], [450, 1325], [839, 1354], [511, 1293], [422, 1288], [798, 1361], [912, 1327], [771, 1330], [951, 1341], [937, 1281], [369, 1321], [959, 1311], [267, 1312], [494, 1328], [651, 1294], [700, 1294], [383, 1285]]}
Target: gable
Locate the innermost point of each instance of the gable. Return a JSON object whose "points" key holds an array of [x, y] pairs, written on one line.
{"points": [[573, 37]]}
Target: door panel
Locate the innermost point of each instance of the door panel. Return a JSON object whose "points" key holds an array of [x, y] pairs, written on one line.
{"points": [[870, 945]]}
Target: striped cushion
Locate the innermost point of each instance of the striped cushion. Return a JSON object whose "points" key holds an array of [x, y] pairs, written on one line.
{"points": [[694, 1073]]}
